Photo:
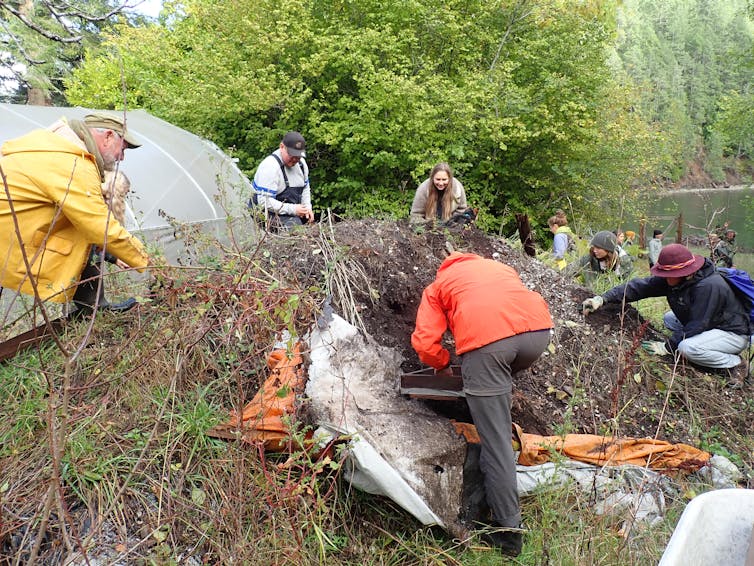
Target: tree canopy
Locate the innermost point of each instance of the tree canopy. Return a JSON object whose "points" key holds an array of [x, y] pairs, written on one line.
{"points": [[537, 104], [517, 95], [41, 41]]}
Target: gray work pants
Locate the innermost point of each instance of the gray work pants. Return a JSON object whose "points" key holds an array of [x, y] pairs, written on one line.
{"points": [[493, 366], [713, 348]]}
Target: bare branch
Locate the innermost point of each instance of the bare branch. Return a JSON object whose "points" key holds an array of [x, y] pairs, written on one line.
{"points": [[18, 45], [519, 13], [38, 29], [66, 10]]}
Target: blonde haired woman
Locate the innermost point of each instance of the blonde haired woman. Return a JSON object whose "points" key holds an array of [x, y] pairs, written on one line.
{"points": [[90, 291], [439, 197]]}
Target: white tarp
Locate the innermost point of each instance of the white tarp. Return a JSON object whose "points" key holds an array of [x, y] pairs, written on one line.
{"points": [[400, 448], [404, 451]]}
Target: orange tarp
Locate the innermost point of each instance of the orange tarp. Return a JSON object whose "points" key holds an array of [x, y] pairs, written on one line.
{"points": [[601, 450], [263, 418]]}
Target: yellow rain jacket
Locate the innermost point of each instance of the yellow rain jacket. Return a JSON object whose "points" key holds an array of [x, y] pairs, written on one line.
{"points": [[55, 193]]}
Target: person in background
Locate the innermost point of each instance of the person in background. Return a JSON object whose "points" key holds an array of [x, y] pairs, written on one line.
{"points": [[655, 246], [620, 238], [604, 257], [630, 235], [725, 249], [709, 324], [563, 240], [500, 328], [53, 211], [115, 187], [281, 184], [439, 197]]}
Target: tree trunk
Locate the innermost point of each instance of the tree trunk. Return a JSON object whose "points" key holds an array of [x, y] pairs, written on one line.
{"points": [[35, 96], [524, 232]]}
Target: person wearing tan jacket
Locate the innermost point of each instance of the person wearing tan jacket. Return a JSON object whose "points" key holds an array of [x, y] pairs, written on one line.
{"points": [[52, 210], [439, 197], [500, 328]]}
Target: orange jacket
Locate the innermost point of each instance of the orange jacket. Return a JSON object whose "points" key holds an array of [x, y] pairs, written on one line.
{"points": [[481, 300]]}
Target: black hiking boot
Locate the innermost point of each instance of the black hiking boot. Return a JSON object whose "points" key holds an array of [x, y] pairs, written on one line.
{"points": [[508, 540], [90, 292]]}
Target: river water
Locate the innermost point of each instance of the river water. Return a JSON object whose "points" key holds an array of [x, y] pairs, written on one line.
{"points": [[703, 210]]}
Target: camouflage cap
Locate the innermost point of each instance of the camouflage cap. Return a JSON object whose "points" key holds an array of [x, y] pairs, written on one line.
{"points": [[112, 122]]}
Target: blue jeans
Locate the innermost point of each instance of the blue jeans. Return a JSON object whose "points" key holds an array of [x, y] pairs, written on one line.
{"points": [[713, 349]]}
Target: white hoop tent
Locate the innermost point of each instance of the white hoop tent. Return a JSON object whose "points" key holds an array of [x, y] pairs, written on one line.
{"points": [[174, 174]]}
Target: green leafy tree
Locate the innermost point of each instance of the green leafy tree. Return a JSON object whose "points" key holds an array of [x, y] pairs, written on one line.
{"points": [[735, 124], [516, 95], [685, 56], [41, 41]]}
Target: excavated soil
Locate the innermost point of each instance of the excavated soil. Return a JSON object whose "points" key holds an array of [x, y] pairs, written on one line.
{"points": [[594, 379]]}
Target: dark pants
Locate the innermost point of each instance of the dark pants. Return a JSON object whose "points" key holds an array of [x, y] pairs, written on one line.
{"points": [[283, 222], [86, 292], [488, 372]]}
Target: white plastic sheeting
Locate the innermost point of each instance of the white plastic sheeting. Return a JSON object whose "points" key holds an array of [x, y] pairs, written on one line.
{"points": [[174, 174], [715, 528], [399, 448]]}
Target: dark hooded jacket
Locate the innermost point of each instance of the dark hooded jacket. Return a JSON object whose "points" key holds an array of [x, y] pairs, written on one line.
{"points": [[703, 302]]}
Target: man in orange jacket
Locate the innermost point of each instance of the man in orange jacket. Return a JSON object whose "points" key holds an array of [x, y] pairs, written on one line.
{"points": [[500, 328]]}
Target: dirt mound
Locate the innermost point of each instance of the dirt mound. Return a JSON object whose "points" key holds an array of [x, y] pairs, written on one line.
{"points": [[593, 379]]}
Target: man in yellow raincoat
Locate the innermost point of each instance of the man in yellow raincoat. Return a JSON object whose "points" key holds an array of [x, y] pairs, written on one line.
{"points": [[52, 210]]}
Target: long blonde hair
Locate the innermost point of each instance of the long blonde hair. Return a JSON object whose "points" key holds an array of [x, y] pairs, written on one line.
{"points": [[114, 190], [433, 195]]}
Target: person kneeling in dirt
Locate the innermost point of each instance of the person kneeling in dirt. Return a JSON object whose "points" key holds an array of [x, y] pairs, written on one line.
{"points": [[725, 249], [709, 324], [440, 198], [91, 290], [605, 256], [500, 328]]}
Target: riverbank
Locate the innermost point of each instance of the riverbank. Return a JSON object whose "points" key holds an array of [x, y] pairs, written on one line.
{"points": [[708, 189]]}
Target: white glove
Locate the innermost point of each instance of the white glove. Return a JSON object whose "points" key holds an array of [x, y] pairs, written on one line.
{"points": [[655, 348], [591, 305]]}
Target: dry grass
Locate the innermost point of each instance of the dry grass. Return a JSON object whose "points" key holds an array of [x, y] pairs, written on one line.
{"points": [[105, 455]]}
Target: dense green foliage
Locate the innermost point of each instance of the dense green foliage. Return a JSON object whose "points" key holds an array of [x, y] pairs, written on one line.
{"points": [[537, 104], [517, 96], [692, 60]]}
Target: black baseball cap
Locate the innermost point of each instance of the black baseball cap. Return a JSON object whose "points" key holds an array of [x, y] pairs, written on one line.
{"points": [[295, 144]]}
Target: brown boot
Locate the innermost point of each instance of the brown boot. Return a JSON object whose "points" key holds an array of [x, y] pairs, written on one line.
{"points": [[738, 377]]}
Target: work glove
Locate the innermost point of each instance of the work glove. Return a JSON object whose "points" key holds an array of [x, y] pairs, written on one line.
{"points": [[591, 305], [655, 348]]}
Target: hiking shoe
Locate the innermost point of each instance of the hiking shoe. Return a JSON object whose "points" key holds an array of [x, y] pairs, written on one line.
{"points": [[86, 309], [508, 540], [738, 377], [123, 306]]}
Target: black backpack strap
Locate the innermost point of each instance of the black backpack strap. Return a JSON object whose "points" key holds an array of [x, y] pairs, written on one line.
{"points": [[282, 170]]}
